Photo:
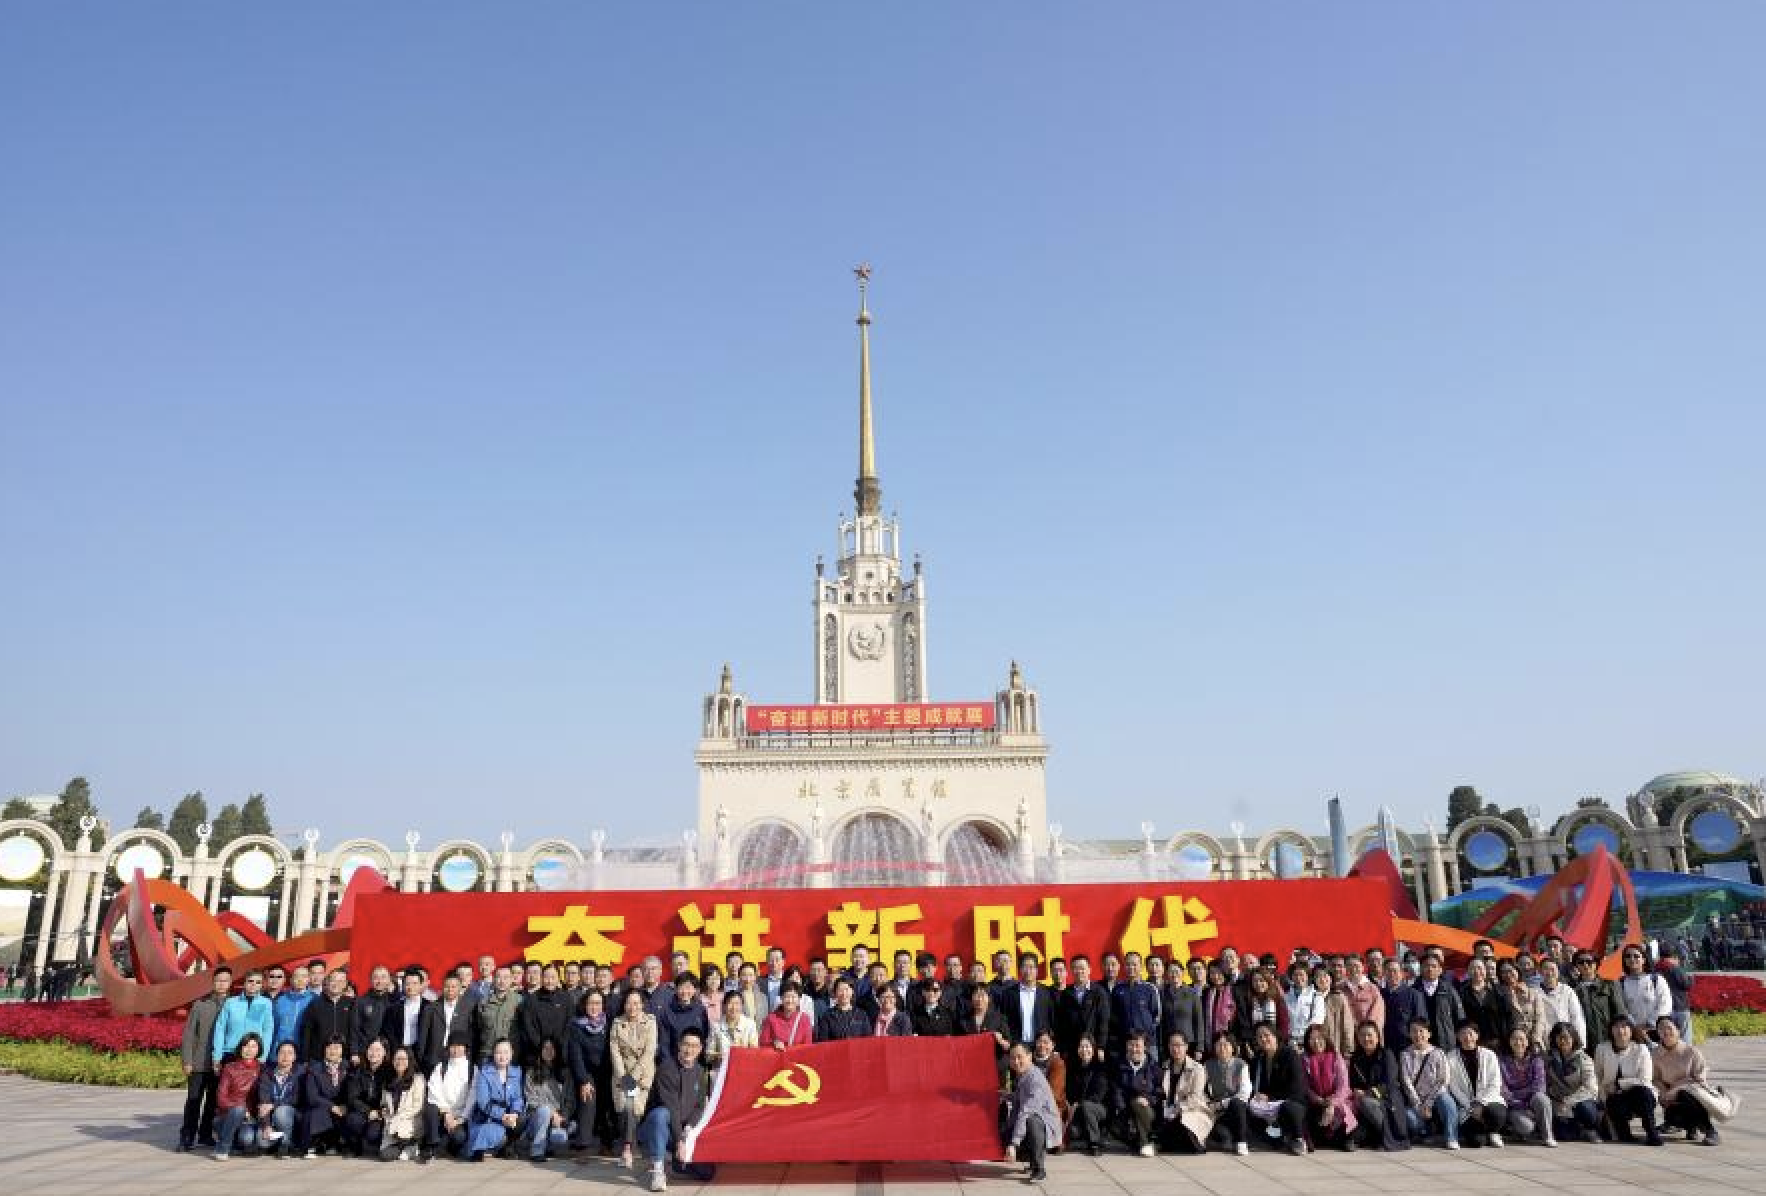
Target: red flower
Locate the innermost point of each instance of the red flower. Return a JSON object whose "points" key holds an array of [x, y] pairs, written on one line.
{"points": [[1716, 994], [89, 1023]]}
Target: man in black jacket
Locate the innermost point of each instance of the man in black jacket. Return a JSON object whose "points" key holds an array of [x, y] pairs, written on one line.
{"points": [[368, 1020], [930, 1016], [677, 1101], [1027, 1007], [543, 1014], [412, 1022], [456, 1017], [1083, 1010], [326, 1018]]}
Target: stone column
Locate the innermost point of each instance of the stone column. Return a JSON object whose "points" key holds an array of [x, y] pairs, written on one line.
{"points": [[1435, 860], [506, 865], [46, 923], [69, 926]]}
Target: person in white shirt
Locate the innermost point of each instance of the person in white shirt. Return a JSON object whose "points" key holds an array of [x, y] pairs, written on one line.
{"points": [[448, 1103], [1561, 998], [1644, 994], [1625, 1074]]}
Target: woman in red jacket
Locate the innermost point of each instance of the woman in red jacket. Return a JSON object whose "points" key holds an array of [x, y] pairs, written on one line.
{"points": [[233, 1095]]}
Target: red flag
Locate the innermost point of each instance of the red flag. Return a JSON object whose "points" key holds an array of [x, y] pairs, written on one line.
{"points": [[861, 1099]]}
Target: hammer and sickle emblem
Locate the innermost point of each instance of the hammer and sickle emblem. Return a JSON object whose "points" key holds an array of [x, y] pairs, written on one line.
{"points": [[782, 1081]]}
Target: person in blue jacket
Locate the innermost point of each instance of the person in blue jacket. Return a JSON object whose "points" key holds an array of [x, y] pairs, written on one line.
{"points": [[497, 1104], [287, 1008], [247, 1013]]}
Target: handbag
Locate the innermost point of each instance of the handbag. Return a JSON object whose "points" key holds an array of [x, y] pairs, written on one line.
{"points": [[1719, 1104]]}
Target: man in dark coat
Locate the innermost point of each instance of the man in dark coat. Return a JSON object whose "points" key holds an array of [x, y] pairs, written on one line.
{"points": [[1445, 1009], [330, 1016], [456, 1017], [1404, 1005], [931, 1017], [843, 1019], [1083, 1010], [368, 1019], [411, 1022], [1028, 1008], [683, 1014], [543, 1014]]}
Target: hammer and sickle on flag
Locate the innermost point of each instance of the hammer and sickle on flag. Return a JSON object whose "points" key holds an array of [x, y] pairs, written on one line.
{"points": [[796, 1095]]}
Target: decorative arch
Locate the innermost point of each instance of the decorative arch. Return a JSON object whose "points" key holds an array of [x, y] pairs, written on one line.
{"points": [[487, 869], [284, 857], [771, 853], [979, 851], [1692, 807], [55, 849], [898, 861], [531, 855], [1362, 840], [177, 863], [1571, 824], [333, 859], [1286, 837], [1202, 839]]}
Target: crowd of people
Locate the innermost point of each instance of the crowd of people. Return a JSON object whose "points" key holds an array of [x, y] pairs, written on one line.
{"points": [[1344, 1051]]}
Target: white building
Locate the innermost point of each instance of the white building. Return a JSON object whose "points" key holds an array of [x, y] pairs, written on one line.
{"points": [[875, 779]]}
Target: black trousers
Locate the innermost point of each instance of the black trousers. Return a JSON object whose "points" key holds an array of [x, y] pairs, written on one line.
{"points": [[1290, 1118], [1639, 1102], [1232, 1124], [361, 1135], [435, 1134], [1684, 1112], [199, 1107], [1479, 1121], [1034, 1148]]}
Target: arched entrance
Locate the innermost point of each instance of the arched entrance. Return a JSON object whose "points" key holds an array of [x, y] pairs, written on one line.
{"points": [[877, 849]]}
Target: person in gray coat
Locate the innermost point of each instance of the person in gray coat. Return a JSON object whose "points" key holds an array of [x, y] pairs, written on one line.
{"points": [[197, 1054], [1033, 1124]]}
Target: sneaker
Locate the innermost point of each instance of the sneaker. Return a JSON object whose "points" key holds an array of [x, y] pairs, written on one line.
{"points": [[405, 1155], [1591, 1136], [271, 1137], [1241, 1148], [311, 1154], [1712, 1137], [1550, 1143], [221, 1156], [1296, 1147], [1146, 1150], [658, 1180], [1494, 1140], [1038, 1176], [1451, 1145], [1653, 1138]]}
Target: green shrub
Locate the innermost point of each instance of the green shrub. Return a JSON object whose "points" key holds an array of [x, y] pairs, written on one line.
{"points": [[67, 1063], [1731, 1023]]}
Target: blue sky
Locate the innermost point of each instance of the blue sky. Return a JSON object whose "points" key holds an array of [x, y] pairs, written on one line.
{"points": [[407, 409]]}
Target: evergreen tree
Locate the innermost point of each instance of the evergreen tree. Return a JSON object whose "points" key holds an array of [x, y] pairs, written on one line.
{"points": [[74, 804], [226, 826], [18, 807], [1462, 803], [150, 819], [190, 813], [254, 818]]}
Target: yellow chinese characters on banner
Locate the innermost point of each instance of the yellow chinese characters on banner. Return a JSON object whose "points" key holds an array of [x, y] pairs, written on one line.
{"points": [[880, 930], [1003, 928], [1183, 923], [574, 934], [711, 939]]}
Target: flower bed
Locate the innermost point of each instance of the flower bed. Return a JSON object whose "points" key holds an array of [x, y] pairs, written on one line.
{"points": [[89, 1024], [1722, 994]]}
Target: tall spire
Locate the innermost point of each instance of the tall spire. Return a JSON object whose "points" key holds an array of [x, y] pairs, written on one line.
{"points": [[868, 493]]}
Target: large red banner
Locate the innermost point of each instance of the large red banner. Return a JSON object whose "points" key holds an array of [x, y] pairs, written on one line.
{"points": [[939, 1098], [899, 716], [1171, 918]]}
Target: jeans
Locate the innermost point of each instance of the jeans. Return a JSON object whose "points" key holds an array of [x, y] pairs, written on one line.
{"points": [[1584, 1119], [1446, 1117], [199, 1108], [234, 1127], [655, 1131], [281, 1121], [540, 1134]]}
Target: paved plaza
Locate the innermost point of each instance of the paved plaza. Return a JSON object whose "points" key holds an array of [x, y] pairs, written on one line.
{"points": [[76, 1141]]}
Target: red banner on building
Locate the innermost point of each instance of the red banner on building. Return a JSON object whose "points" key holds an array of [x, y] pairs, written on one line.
{"points": [[1174, 919], [900, 716], [939, 1097]]}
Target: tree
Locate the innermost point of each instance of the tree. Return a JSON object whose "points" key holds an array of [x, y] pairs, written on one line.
{"points": [[226, 826], [74, 804], [1463, 803], [150, 819], [1514, 816], [190, 813], [254, 819], [18, 807]]}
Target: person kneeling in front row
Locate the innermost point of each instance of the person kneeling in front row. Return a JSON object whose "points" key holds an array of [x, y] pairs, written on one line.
{"points": [[1033, 1123], [677, 1101]]}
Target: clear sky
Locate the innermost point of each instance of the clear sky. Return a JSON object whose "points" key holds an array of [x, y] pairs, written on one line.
{"points": [[407, 408]]}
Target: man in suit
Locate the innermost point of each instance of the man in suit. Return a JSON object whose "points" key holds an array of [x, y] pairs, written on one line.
{"points": [[1028, 1008], [368, 1020], [411, 1021], [456, 1017], [1082, 1011]]}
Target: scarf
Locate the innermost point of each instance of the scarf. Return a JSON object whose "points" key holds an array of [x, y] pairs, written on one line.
{"points": [[594, 1025]]}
